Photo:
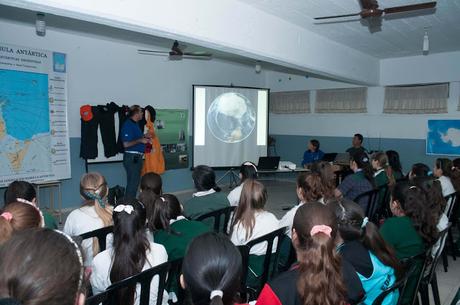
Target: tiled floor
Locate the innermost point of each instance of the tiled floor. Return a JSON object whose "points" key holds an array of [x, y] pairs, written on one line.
{"points": [[282, 196]]}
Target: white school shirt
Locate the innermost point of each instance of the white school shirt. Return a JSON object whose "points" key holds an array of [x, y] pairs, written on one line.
{"points": [[265, 222], [288, 218], [82, 220], [234, 196], [102, 264], [446, 185]]}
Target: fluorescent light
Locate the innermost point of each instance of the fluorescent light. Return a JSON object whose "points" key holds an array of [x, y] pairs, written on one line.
{"points": [[262, 102]]}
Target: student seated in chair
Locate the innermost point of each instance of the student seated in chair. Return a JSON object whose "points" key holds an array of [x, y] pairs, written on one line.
{"points": [[320, 276], [248, 170], [211, 270], [131, 254], [208, 197], [251, 221], [363, 247], [95, 213], [41, 267]]}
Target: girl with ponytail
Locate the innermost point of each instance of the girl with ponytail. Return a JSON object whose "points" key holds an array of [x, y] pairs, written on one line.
{"points": [[414, 226], [248, 170], [383, 175], [208, 197], [364, 248], [95, 213], [131, 254], [211, 271], [320, 277], [18, 216], [443, 171]]}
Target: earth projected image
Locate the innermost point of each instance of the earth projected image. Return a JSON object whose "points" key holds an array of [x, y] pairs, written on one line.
{"points": [[231, 117]]}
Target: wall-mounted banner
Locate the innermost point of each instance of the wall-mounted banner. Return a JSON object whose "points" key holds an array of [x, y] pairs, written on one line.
{"points": [[171, 127], [34, 141], [443, 137]]}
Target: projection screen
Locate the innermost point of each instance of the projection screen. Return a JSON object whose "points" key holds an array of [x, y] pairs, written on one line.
{"points": [[230, 125]]}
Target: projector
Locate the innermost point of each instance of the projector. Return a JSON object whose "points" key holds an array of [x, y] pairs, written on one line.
{"points": [[287, 165]]}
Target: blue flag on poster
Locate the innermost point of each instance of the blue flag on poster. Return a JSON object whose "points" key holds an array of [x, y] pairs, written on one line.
{"points": [[443, 137]]}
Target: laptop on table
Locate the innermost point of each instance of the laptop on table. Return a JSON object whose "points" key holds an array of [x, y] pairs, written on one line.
{"points": [[268, 163]]}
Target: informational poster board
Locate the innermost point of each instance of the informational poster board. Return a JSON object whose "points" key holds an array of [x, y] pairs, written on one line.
{"points": [[34, 139], [443, 137], [171, 127]]}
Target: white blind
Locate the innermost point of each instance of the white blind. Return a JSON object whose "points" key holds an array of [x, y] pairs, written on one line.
{"points": [[290, 102], [347, 100], [416, 99]]}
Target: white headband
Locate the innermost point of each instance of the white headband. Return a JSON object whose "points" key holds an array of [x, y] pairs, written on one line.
{"points": [[124, 208]]}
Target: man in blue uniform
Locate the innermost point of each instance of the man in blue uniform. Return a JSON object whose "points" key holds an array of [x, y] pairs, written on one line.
{"points": [[134, 142]]}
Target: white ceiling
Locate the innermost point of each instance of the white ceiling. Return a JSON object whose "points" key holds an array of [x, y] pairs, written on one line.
{"points": [[398, 37]]}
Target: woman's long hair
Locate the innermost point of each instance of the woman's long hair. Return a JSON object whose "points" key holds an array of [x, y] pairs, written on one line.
{"points": [[362, 161], [212, 263], [325, 170], [433, 190], [394, 161], [382, 161], [94, 189], [414, 203], [351, 218], [253, 198], [166, 208], [130, 245], [320, 281], [448, 170]]}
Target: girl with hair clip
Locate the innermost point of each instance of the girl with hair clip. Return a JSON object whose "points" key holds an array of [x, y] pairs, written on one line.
{"points": [[326, 171], [95, 213], [251, 221], [131, 254], [309, 189], [208, 197], [211, 270], [320, 277], [248, 170], [395, 163], [18, 216], [361, 181], [364, 248], [456, 174], [22, 191], [413, 227], [55, 275], [151, 182]]}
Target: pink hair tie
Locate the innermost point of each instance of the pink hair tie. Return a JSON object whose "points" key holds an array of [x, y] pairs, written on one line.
{"points": [[321, 229], [7, 215]]}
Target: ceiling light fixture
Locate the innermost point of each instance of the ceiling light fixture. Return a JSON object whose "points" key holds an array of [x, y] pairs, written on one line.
{"points": [[40, 24], [258, 67], [426, 43]]}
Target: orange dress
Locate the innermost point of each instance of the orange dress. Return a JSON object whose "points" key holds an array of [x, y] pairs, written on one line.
{"points": [[154, 160]]}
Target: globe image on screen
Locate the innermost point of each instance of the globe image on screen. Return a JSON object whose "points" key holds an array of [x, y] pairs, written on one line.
{"points": [[231, 117]]}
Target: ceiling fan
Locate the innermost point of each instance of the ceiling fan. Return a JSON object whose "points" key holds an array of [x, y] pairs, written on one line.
{"points": [[177, 53], [370, 8]]}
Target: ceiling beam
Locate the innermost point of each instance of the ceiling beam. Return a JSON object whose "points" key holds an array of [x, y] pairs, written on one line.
{"points": [[226, 25]]}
